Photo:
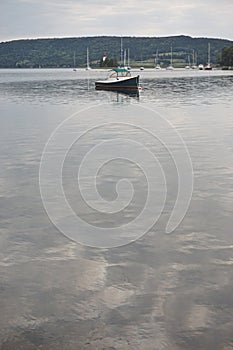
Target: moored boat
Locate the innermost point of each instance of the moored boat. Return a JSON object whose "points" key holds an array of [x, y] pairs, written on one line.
{"points": [[208, 66], [170, 67], [88, 62], [157, 65], [119, 80]]}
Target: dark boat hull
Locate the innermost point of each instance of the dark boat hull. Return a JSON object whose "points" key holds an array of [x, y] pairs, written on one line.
{"points": [[129, 84]]}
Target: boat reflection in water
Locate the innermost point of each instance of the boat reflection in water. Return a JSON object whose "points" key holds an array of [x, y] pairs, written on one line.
{"points": [[120, 80], [124, 94]]}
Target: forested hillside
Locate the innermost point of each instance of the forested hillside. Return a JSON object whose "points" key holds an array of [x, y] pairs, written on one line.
{"points": [[227, 56], [60, 52]]}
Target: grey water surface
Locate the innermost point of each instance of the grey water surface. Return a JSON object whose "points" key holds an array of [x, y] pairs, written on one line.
{"points": [[163, 291]]}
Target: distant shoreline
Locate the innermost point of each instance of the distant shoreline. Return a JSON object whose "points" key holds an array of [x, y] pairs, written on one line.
{"points": [[139, 51]]}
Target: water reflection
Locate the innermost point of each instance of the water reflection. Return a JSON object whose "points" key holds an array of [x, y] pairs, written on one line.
{"points": [[159, 89], [162, 292]]}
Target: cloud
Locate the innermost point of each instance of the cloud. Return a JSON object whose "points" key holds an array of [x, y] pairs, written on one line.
{"points": [[59, 18]]}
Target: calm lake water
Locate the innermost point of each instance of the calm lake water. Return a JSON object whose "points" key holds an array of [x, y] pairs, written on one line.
{"points": [[165, 291]]}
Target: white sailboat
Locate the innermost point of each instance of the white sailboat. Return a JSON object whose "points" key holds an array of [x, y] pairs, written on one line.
{"points": [[126, 66], [121, 53], [189, 64], [170, 67], [194, 65], [208, 66], [128, 61], [157, 65], [88, 63], [124, 61]]}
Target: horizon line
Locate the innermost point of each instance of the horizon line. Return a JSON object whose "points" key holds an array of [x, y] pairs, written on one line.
{"points": [[116, 36]]}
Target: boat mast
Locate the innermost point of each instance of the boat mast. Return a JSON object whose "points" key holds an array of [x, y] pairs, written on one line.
{"points": [[189, 60], [128, 57], [208, 54], [121, 56], [156, 58], [88, 66], [74, 63], [171, 54], [124, 57]]}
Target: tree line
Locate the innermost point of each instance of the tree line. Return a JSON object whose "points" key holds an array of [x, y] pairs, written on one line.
{"points": [[226, 59], [60, 52]]}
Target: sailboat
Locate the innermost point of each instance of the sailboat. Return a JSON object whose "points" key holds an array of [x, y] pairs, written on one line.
{"points": [[208, 66], [124, 58], [128, 61], [189, 65], [126, 66], [74, 66], [157, 65], [170, 67], [124, 61], [88, 64], [194, 65]]}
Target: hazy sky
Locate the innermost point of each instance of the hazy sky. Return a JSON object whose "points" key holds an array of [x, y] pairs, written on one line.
{"points": [[61, 18]]}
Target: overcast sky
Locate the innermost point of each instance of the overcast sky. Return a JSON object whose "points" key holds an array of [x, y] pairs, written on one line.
{"points": [[74, 18]]}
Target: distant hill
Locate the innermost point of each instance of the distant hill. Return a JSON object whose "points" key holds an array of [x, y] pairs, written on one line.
{"points": [[59, 52]]}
